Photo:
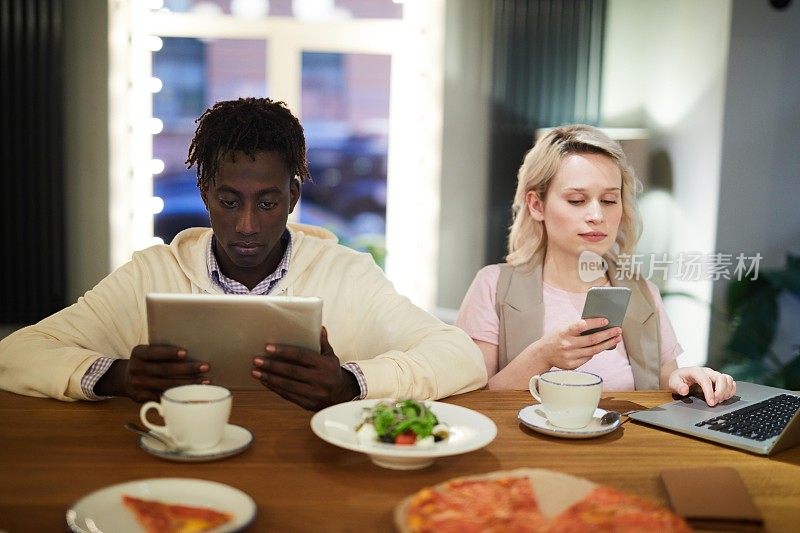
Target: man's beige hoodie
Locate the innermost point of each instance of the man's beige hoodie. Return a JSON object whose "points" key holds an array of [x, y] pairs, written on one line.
{"points": [[403, 351]]}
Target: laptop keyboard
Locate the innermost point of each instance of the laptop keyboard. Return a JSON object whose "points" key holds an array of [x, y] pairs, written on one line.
{"points": [[759, 421]]}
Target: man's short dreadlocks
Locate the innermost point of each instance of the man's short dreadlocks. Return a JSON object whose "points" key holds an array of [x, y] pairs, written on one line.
{"points": [[248, 125]]}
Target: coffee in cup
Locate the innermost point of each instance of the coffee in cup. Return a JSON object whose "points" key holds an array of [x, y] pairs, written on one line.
{"points": [[569, 398], [194, 416]]}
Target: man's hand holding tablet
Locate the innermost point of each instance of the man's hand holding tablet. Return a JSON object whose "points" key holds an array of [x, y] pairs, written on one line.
{"points": [[313, 380], [151, 370]]}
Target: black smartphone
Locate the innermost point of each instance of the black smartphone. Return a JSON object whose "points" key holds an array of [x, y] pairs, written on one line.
{"points": [[607, 302]]}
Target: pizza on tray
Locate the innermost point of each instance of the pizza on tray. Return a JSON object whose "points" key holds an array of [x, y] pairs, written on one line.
{"points": [[503, 504], [159, 517], [534, 500], [608, 509]]}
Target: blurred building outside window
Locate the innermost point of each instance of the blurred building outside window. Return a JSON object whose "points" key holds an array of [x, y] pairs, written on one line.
{"points": [[345, 113]]}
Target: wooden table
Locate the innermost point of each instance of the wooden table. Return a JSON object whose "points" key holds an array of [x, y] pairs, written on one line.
{"points": [[54, 453]]}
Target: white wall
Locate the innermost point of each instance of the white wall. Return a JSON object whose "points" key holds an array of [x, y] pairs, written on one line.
{"points": [[664, 70], [86, 144], [465, 148], [760, 192]]}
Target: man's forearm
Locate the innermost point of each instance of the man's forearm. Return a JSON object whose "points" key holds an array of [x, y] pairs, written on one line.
{"points": [[349, 389], [113, 381], [353, 388]]}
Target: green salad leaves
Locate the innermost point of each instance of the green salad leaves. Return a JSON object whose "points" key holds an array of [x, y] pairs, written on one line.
{"points": [[403, 422]]}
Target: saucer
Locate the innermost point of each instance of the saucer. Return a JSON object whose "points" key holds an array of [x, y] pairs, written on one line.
{"points": [[235, 440], [533, 417]]}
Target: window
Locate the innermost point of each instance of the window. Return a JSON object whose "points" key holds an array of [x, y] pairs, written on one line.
{"points": [[364, 76]]}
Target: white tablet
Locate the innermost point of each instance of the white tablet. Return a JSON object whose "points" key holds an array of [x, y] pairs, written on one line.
{"points": [[227, 331]]}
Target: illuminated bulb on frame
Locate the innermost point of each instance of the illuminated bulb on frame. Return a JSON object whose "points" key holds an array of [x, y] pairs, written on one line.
{"points": [[156, 204], [313, 10], [156, 126], [207, 9], [155, 85], [157, 166], [155, 5], [154, 43], [250, 9]]}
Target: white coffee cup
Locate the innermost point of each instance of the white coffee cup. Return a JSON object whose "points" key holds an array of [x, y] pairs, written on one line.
{"points": [[195, 416], [569, 398]]}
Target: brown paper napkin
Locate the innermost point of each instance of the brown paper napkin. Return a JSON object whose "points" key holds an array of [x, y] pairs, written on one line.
{"points": [[712, 499]]}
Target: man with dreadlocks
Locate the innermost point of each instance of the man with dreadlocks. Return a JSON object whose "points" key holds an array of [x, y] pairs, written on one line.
{"points": [[250, 156]]}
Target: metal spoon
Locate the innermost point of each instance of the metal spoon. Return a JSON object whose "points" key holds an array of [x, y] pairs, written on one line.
{"points": [[610, 418], [131, 426]]}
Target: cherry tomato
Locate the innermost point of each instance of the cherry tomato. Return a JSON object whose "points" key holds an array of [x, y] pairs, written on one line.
{"points": [[405, 439]]}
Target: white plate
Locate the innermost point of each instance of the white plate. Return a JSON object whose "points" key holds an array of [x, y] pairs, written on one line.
{"points": [[235, 440], [469, 431], [103, 510], [533, 417]]}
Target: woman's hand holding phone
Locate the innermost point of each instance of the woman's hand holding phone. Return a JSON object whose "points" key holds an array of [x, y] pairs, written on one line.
{"points": [[568, 348]]}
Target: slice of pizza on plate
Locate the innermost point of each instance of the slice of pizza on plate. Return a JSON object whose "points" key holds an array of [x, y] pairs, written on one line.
{"points": [[159, 517]]}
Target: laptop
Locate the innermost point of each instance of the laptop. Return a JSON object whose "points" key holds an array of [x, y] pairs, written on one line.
{"points": [[758, 419]]}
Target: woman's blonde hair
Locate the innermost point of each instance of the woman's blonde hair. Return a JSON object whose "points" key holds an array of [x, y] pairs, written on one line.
{"points": [[528, 236]]}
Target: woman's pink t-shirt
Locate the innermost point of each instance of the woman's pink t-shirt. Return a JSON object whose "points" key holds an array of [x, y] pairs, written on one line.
{"points": [[478, 317]]}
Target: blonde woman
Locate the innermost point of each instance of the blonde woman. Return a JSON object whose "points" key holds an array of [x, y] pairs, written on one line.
{"points": [[575, 194]]}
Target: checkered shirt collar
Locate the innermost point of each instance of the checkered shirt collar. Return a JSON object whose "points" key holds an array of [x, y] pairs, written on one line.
{"points": [[230, 286]]}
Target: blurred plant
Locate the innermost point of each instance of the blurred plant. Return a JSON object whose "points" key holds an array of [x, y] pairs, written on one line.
{"points": [[378, 254], [373, 244], [754, 312]]}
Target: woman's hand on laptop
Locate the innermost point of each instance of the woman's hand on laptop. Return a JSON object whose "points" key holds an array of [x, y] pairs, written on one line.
{"points": [[311, 380], [716, 386], [151, 370]]}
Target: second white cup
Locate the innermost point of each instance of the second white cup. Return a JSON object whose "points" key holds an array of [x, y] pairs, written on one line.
{"points": [[195, 416], [569, 398]]}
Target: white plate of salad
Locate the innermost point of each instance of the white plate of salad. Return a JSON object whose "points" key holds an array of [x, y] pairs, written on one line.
{"points": [[403, 434]]}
